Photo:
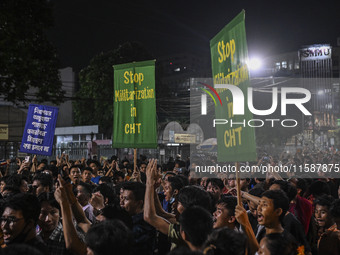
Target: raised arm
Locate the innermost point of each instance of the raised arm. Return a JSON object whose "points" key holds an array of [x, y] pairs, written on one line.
{"points": [[242, 218], [150, 215], [254, 199], [77, 209], [72, 241]]}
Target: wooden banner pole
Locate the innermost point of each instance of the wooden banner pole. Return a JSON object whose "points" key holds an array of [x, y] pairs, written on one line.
{"points": [[135, 159], [238, 186]]}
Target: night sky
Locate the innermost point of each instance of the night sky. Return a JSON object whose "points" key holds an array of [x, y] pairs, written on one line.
{"points": [[87, 27]]}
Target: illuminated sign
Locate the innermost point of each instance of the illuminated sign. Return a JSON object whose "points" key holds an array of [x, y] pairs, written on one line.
{"points": [[185, 138], [3, 132], [317, 52]]}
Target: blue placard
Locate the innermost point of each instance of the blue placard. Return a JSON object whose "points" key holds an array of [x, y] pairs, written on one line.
{"points": [[39, 130]]}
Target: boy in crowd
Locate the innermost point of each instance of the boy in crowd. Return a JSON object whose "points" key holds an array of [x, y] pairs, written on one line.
{"points": [[196, 224], [271, 210], [329, 240], [215, 187], [224, 216], [95, 165], [109, 236], [75, 175], [166, 224], [84, 194], [86, 176], [42, 183], [19, 219], [132, 200]]}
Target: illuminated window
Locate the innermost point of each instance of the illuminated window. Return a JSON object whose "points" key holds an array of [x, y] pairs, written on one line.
{"points": [[284, 64], [290, 65], [277, 66]]}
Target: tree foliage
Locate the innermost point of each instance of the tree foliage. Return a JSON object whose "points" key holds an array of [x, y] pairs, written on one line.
{"points": [[28, 62], [94, 104]]}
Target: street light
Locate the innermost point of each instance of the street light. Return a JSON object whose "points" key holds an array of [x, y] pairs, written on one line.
{"points": [[254, 64]]}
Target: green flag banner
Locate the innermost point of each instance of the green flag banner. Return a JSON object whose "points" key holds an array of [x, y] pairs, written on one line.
{"points": [[229, 54], [134, 107]]}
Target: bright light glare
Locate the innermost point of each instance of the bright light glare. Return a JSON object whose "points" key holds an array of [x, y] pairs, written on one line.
{"points": [[254, 64], [321, 92]]}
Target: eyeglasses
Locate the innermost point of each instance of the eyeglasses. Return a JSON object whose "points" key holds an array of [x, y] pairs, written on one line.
{"points": [[9, 220]]}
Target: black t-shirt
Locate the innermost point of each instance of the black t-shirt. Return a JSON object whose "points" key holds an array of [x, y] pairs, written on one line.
{"points": [[294, 227], [39, 244]]}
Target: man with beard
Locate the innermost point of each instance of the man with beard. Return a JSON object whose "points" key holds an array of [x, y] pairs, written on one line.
{"points": [[19, 220]]}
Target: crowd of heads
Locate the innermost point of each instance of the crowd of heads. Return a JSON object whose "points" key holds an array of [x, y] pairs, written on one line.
{"points": [[87, 206]]}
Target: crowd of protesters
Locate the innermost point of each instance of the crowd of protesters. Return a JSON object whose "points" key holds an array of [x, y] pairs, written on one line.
{"points": [[111, 207]]}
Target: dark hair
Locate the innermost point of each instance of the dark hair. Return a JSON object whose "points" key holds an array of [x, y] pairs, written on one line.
{"points": [[44, 160], [115, 212], [142, 163], [13, 190], [280, 200], [105, 179], [87, 187], [324, 200], [14, 180], [257, 192], [229, 203], [184, 179], [194, 196], [76, 166], [278, 243], [125, 160], [137, 188], [4, 178], [49, 198], [335, 209], [197, 223], [287, 187], [44, 167], [46, 180], [301, 184], [108, 236], [106, 191], [87, 169], [53, 161], [94, 162], [114, 157], [28, 204], [215, 182], [118, 174], [176, 183], [54, 170], [20, 249], [319, 188], [225, 241]]}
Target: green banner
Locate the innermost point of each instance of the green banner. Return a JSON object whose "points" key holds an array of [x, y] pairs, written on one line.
{"points": [[229, 54], [134, 107]]}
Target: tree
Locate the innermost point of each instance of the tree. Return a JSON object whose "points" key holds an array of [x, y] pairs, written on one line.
{"points": [[94, 100], [27, 59]]}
